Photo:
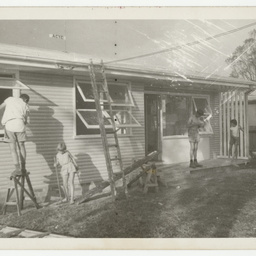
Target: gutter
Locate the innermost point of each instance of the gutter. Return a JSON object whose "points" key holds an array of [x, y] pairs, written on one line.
{"points": [[80, 66]]}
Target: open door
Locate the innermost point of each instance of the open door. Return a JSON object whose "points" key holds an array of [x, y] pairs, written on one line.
{"points": [[152, 124]]}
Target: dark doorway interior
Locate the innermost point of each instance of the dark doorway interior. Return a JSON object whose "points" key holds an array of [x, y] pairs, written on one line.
{"points": [[152, 123]]}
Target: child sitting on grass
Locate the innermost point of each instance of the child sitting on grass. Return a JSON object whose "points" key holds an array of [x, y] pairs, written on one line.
{"points": [[68, 169], [234, 138]]}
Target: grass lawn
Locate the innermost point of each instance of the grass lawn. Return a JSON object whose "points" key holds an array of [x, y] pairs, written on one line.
{"points": [[217, 204]]}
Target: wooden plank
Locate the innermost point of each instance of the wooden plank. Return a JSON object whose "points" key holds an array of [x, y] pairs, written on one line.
{"points": [[228, 116], [224, 124], [11, 232], [241, 123], [160, 126], [221, 122], [237, 115], [236, 106], [246, 125], [118, 176], [232, 105], [143, 172]]}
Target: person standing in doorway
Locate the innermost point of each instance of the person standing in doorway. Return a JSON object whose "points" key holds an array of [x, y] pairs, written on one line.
{"points": [[15, 119], [195, 122]]}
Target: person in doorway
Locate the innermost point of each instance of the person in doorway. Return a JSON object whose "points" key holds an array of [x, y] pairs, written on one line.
{"points": [[195, 122], [15, 119], [234, 138], [68, 170]]}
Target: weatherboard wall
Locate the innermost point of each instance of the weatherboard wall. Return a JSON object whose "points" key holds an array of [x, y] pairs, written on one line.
{"points": [[52, 121]]}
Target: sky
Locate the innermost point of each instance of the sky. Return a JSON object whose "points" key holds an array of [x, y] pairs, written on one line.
{"points": [[118, 41]]}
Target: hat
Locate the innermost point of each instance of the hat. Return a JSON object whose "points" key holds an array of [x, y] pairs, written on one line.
{"points": [[200, 112]]}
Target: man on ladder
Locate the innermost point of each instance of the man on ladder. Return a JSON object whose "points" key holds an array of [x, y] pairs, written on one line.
{"points": [[15, 118]]}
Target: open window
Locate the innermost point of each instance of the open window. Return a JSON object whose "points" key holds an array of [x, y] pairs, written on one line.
{"points": [[202, 103], [7, 86], [86, 92], [90, 119], [124, 119], [121, 94], [11, 83], [86, 115], [176, 110]]}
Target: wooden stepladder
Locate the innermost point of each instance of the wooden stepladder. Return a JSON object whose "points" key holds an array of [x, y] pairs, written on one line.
{"points": [[19, 181], [103, 104]]}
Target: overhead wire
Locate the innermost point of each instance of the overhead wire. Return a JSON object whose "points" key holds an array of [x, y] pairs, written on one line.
{"points": [[184, 45]]}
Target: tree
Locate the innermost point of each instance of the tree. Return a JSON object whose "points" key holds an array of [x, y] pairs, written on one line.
{"points": [[243, 59]]}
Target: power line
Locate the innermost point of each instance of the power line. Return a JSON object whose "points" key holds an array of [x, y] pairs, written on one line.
{"points": [[184, 45]]}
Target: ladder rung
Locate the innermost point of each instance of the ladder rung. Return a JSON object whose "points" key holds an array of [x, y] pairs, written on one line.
{"points": [[112, 145], [111, 132], [11, 203], [103, 91], [115, 159]]}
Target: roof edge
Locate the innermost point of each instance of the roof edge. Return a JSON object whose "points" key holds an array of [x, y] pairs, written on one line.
{"points": [[50, 59]]}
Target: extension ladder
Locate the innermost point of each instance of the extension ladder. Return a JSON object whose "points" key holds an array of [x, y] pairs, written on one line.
{"points": [[105, 105]]}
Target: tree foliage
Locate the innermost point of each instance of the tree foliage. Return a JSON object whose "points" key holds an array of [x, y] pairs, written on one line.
{"points": [[243, 59]]}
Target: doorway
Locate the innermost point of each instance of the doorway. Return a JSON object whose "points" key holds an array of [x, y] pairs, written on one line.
{"points": [[152, 124]]}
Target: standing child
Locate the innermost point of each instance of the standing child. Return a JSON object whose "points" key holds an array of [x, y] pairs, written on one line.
{"points": [[234, 138], [195, 122], [68, 169]]}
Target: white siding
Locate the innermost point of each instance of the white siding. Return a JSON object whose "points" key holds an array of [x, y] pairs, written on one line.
{"points": [[52, 122]]}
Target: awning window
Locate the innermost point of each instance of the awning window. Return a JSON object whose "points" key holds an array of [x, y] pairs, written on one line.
{"points": [[125, 119], [202, 103], [86, 92], [7, 83], [90, 118], [120, 94]]}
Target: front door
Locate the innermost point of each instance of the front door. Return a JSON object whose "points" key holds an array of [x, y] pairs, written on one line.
{"points": [[152, 123]]}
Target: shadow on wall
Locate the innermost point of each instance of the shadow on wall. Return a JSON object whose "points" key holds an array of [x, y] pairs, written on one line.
{"points": [[47, 132], [87, 178]]}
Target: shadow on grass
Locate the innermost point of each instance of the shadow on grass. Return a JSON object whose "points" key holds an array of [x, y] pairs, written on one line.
{"points": [[213, 202]]}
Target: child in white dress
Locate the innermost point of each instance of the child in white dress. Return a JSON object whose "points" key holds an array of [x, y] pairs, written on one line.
{"points": [[68, 169]]}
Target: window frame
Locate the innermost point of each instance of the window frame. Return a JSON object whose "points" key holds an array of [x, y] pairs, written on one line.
{"points": [[136, 124], [129, 93], [207, 97], [127, 85], [124, 107], [193, 96], [90, 126], [82, 93]]}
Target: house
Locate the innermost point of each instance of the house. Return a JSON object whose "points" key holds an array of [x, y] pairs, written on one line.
{"points": [[151, 107]]}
